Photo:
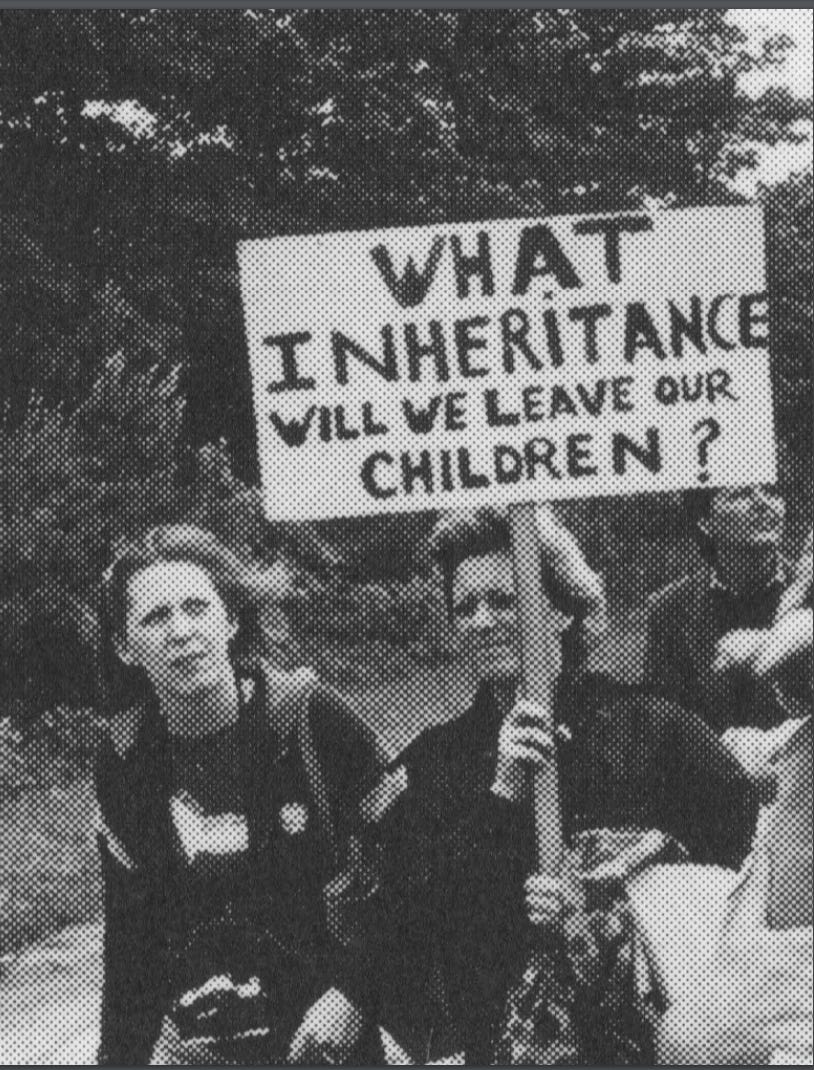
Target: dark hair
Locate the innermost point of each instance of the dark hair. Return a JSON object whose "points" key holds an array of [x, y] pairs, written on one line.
{"points": [[244, 588], [698, 504], [467, 533]]}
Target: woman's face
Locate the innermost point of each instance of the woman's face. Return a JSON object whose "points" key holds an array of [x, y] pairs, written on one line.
{"points": [[485, 616], [177, 629]]}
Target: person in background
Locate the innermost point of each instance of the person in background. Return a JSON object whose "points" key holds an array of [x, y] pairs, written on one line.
{"points": [[730, 956], [227, 790], [760, 651], [699, 628], [457, 909]]}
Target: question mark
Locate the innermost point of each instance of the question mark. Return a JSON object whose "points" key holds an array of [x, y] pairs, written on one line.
{"points": [[713, 431]]}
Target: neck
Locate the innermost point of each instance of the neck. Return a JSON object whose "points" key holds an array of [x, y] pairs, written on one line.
{"points": [[744, 569], [204, 713]]}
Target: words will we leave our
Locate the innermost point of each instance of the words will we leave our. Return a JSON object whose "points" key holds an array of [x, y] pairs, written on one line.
{"points": [[451, 411]]}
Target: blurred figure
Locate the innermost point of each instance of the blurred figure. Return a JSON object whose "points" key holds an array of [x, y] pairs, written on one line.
{"points": [[779, 660], [730, 957], [700, 627]]}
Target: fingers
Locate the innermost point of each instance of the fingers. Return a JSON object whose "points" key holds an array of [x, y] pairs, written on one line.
{"points": [[528, 723], [544, 914], [529, 712], [525, 742], [544, 899], [531, 746], [526, 736]]}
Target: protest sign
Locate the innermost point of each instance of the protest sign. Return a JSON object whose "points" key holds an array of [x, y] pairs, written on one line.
{"points": [[454, 365]]}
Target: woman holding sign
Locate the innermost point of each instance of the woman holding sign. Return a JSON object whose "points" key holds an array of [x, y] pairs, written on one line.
{"points": [[455, 815], [226, 792]]}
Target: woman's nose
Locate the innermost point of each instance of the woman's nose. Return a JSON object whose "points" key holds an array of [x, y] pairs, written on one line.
{"points": [[483, 616], [181, 625], [766, 498]]}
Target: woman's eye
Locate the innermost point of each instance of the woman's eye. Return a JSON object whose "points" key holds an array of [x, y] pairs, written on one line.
{"points": [[196, 606], [496, 601], [466, 608], [157, 616]]}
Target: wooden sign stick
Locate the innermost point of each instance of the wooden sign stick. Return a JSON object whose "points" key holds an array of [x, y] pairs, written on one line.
{"points": [[541, 656]]}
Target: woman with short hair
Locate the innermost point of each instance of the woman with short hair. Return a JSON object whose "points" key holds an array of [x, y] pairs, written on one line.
{"points": [[461, 908], [226, 790]]}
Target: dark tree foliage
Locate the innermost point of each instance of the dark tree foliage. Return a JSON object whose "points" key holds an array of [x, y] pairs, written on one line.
{"points": [[137, 146]]}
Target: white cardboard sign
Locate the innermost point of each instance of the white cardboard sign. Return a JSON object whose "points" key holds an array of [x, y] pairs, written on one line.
{"points": [[526, 359]]}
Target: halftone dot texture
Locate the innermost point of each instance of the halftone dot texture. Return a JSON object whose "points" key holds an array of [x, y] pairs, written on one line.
{"points": [[136, 149]]}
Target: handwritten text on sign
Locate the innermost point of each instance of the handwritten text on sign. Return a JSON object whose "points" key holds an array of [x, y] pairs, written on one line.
{"points": [[433, 367]]}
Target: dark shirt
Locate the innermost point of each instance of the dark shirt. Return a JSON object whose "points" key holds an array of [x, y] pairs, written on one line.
{"points": [[211, 866], [452, 932], [263, 907], [686, 620]]}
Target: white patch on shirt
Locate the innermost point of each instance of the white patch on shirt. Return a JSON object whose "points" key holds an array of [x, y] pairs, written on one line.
{"points": [[294, 818], [212, 834]]}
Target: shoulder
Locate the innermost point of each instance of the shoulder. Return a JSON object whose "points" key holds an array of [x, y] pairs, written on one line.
{"points": [[334, 719], [348, 746], [602, 696], [430, 743], [630, 718], [664, 722], [448, 751]]}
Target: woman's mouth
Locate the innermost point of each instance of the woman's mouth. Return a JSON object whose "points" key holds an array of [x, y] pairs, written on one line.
{"points": [[188, 662], [496, 649], [767, 522]]}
